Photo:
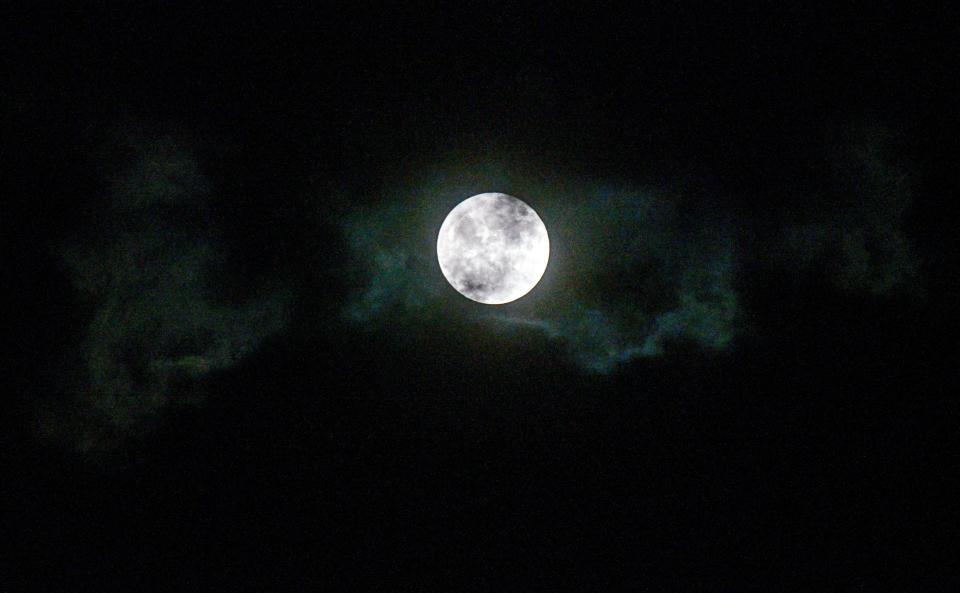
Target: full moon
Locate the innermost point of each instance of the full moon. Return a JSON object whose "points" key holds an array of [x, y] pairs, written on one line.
{"points": [[493, 248]]}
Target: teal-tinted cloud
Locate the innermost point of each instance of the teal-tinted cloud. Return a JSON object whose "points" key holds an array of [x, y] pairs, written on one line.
{"points": [[627, 276], [156, 326]]}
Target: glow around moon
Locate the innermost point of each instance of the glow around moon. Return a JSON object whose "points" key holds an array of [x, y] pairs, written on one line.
{"points": [[493, 248]]}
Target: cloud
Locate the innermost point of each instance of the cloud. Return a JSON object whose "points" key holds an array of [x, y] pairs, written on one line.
{"points": [[667, 287], [860, 239], [156, 326], [630, 272], [391, 265], [634, 271]]}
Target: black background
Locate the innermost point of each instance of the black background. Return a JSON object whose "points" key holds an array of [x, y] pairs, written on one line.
{"points": [[818, 454]]}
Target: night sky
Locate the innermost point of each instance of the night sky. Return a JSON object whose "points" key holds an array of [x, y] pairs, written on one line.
{"points": [[237, 366]]}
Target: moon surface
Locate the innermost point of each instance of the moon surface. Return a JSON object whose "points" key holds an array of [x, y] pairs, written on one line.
{"points": [[493, 248]]}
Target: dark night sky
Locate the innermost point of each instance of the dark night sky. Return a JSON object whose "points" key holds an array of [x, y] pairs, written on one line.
{"points": [[237, 366]]}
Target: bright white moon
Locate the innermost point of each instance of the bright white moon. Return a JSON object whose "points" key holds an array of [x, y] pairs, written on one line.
{"points": [[493, 248]]}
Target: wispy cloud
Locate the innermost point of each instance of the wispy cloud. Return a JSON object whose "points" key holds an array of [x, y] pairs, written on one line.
{"points": [[860, 239], [156, 326], [626, 277]]}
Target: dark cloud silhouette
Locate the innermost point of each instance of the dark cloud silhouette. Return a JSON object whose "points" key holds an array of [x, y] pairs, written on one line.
{"points": [[633, 270], [156, 326], [860, 239], [626, 276]]}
